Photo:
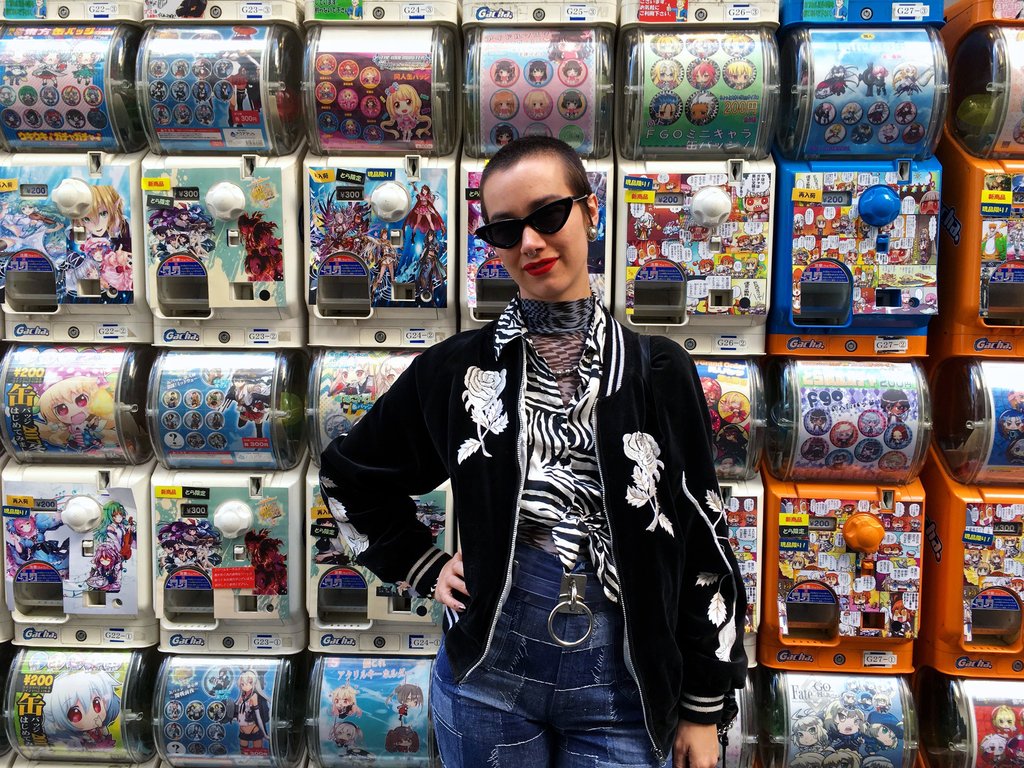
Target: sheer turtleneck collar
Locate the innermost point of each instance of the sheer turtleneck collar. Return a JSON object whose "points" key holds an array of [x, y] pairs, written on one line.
{"points": [[553, 317]]}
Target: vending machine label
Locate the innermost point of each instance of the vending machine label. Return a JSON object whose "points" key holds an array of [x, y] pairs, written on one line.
{"points": [[220, 711], [347, 237], [205, 88], [53, 93], [704, 90], [368, 100], [372, 707], [64, 704], [873, 92], [538, 82]]}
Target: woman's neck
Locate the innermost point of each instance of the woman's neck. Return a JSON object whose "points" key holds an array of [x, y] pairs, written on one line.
{"points": [[553, 317]]}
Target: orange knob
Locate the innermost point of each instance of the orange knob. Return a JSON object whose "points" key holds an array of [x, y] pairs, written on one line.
{"points": [[863, 532]]}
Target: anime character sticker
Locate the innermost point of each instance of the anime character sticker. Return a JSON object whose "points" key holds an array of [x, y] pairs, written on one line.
{"points": [[249, 393], [27, 541], [252, 713], [80, 708], [106, 253]]}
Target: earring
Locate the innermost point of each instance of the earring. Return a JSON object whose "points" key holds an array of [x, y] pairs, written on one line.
{"points": [[591, 233]]}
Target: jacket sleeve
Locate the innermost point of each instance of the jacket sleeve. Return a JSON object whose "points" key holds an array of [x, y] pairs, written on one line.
{"points": [[368, 476], [712, 598]]}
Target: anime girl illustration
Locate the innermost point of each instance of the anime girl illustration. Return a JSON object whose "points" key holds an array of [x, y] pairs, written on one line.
{"points": [[107, 566], [252, 712], [402, 739], [378, 251], [187, 542], [343, 702], [703, 74], [106, 251], [77, 413], [424, 216], [184, 229], [407, 695], [264, 260], [346, 734], [117, 528], [79, 709], [404, 106], [27, 542], [250, 392], [429, 272]]}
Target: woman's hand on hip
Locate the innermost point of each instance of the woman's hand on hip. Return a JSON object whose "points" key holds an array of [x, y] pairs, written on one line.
{"points": [[452, 580], [696, 746]]}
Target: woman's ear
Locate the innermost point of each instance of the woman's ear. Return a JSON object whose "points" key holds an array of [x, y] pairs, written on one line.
{"points": [[593, 210]]}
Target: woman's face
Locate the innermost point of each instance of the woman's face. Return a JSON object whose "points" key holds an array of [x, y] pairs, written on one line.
{"points": [[545, 267]]}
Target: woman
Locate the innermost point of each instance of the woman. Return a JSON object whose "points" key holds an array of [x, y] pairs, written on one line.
{"points": [[595, 607]]}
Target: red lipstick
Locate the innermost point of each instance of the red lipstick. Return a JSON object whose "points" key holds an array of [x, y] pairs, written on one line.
{"points": [[539, 267]]}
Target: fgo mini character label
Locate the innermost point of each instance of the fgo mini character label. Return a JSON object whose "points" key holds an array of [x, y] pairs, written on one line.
{"points": [[373, 708], [66, 703]]}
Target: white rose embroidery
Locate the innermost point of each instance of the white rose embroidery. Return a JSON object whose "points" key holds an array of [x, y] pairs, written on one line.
{"points": [[718, 609], [483, 402], [643, 449]]}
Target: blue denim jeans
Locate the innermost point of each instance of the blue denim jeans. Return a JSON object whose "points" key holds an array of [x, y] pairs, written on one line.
{"points": [[532, 703]]}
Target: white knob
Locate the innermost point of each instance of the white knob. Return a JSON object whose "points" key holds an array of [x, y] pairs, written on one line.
{"points": [[73, 198], [82, 514], [226, 201], [233, 518], [390, 201], [711, 206]]}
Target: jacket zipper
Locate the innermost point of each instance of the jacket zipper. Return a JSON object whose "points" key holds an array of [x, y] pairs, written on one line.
{"points": [[515, 518], [622, 592]]}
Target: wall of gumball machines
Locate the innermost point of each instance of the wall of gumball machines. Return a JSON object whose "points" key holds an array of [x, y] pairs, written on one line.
{"points": [[227, 226]]}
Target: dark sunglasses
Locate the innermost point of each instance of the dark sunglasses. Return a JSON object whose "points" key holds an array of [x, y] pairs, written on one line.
{"points": [[547, 220]]}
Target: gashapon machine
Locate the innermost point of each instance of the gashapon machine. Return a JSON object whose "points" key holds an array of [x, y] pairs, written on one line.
{"points": [[534, 68], [971, 624], [64, 707], [372, 699], [221, 110], [858, 226], [76, 505], [228, 710], [696, 110], [381, 105], [229, 434], [982, 150], [70, 201], [843, 565]]}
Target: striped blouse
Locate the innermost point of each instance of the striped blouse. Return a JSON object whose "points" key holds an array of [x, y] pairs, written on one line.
{"points": [[561, 509]]}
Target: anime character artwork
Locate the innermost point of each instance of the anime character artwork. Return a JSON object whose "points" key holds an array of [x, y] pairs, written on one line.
{"points": [[75, 706], [372, 707], [347, 238], [33, 538], [229, 704], [95, 269], [845, 721]]}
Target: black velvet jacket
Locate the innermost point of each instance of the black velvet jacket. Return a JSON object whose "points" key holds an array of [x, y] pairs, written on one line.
{"points": [[455, 413]]}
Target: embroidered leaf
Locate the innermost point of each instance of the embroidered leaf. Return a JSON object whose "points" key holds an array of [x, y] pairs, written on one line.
{"points": [[666, 524], [706, 579], [715, 502], [639, 476], [717, 610], [468, 448], [499, 424], [726, 640], [635, 497]]}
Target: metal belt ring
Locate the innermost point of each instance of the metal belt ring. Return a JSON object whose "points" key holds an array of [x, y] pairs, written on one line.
{"points": [[570, 603]]}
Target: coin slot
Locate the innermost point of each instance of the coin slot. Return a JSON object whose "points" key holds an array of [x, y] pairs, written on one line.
{"points": [[403, 291], [720, 297], [248, 166], [903, 170], [95, 163], [888, 499], [242, 292], [94, 598], [245, 603]]}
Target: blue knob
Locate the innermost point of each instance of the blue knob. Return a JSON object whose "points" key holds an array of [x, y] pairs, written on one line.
{"points": [[879, 205]]}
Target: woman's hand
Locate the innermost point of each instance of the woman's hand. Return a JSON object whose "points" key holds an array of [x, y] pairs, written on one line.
{"points": [[451, 580], [696, 746]]}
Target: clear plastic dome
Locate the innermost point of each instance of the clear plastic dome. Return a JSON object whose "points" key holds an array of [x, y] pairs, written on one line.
{"points": [[77, 404], [53, 680], [396, 93], [343, 386], [987, 110], [698, 94], [538, 81], [806, 718], [735, 398], [242, 410], [979, 420], [69, 88], [221, 89], [248, 710], [847, 421], [969, 722], [862, 92]]}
